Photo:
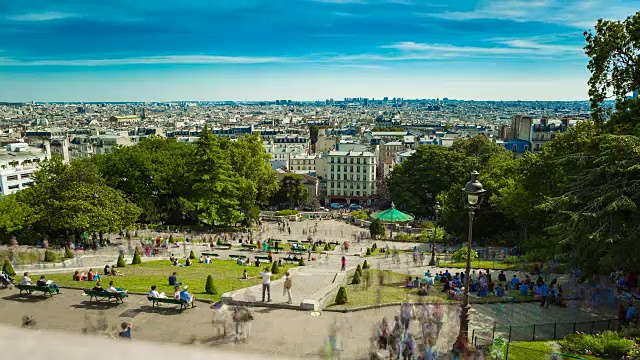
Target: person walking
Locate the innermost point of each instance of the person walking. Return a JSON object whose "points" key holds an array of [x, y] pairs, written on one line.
{"points": [[287, 287], [344, 264], [266, 284]]}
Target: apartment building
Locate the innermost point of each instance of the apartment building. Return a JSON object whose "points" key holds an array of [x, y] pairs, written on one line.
{"points": [[18, 162], [351, 177]]}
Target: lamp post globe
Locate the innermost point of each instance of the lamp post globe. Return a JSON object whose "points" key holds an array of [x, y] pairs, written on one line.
{"points": [[474, 192], [436, 214]]}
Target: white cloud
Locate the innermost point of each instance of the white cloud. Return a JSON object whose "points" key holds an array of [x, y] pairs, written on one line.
{"points": [[575, 13], [42, 16], [149, 60], [514, 47]]}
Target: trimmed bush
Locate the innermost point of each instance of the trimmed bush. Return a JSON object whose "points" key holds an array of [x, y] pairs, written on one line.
{"points": [[7, 268], [359, 270], [275, 269], [368, 252], [68, 254], [49, 256], [511, 260], [341, 297], [209, 287], [136, 257], [171, 240], [374, 246], [314, 248], [301, 262], [356, 278], [327, 247], [120, 262], [192, 255], [365, 265]]}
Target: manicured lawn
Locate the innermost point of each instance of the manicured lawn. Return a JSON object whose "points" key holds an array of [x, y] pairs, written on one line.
{"points": [[393, 291], [525, 350], [483, 264], [226, 275]]}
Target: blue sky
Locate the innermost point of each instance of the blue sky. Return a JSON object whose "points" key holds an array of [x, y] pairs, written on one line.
{"points": [[162, 50]]}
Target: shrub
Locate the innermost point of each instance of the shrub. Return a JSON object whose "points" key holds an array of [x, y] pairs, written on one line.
{"points": [[356, 278], [301, 262], [136, 258], [314, 248], [511, 260], [360, 214], [287, 212], [368, 252], [7, 268], [365, 265], [275, 269], [171, 240], [192, 255], [374, 246], [120, 262], [461, 255], [68, 254], [327, 247], [341, 297], [608, 344], [49, 256], [209, 287], [376, 228], [359, 270]]}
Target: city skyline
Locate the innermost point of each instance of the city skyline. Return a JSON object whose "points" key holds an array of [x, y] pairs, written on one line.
{"points": [[298, 50]]}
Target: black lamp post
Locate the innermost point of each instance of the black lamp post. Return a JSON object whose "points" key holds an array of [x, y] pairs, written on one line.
{"points": [[436, 212], [474, 192]]}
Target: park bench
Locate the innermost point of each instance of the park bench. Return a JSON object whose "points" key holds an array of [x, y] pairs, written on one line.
{"points": [[298, 251], [335, 243], [293, 241], [99, 295], [233, 256], [156, 302], [265, 258], [305, 241], [223, 246], [31, 288], [291, 261], [249, 246], [210, 254]]}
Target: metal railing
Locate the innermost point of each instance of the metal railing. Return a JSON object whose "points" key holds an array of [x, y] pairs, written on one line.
{"points": [[545, 332]]}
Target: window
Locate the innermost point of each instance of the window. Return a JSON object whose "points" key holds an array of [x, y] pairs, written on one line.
{"points": [[358, 161], [12, 187], [25, 176], [332, 168], [12, 178], [351, 168]]}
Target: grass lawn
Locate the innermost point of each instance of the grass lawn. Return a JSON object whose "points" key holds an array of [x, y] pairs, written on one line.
{"points": [[483, 264], [525, 350], [393, 291], [226, 275], [375, 252]]}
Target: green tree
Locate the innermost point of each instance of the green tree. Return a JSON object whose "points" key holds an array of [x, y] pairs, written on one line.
{"points": [[356, 278], [376, 228], [7, 268], [292, 191], [120, 262], [614, 62], [210, 287], [74, 199], [15, 217], [415, 183], [192, 255], [68, 254], [365, 265], [136, 257], [217, 190], [313, 134]]}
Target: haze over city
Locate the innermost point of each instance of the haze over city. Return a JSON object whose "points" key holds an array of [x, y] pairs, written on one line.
{"points": [[300, 50]]}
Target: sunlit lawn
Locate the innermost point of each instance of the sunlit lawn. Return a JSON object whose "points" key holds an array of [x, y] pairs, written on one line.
{"points": [[226, 275], [483, 264], [526, 350], [393, 291]]}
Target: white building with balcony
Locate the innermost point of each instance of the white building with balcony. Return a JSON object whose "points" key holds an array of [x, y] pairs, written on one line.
{"points": [[351, 177], [18, 162]]}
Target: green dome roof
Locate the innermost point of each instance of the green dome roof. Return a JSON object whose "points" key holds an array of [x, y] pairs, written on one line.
{"points": [[392, 215]]}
